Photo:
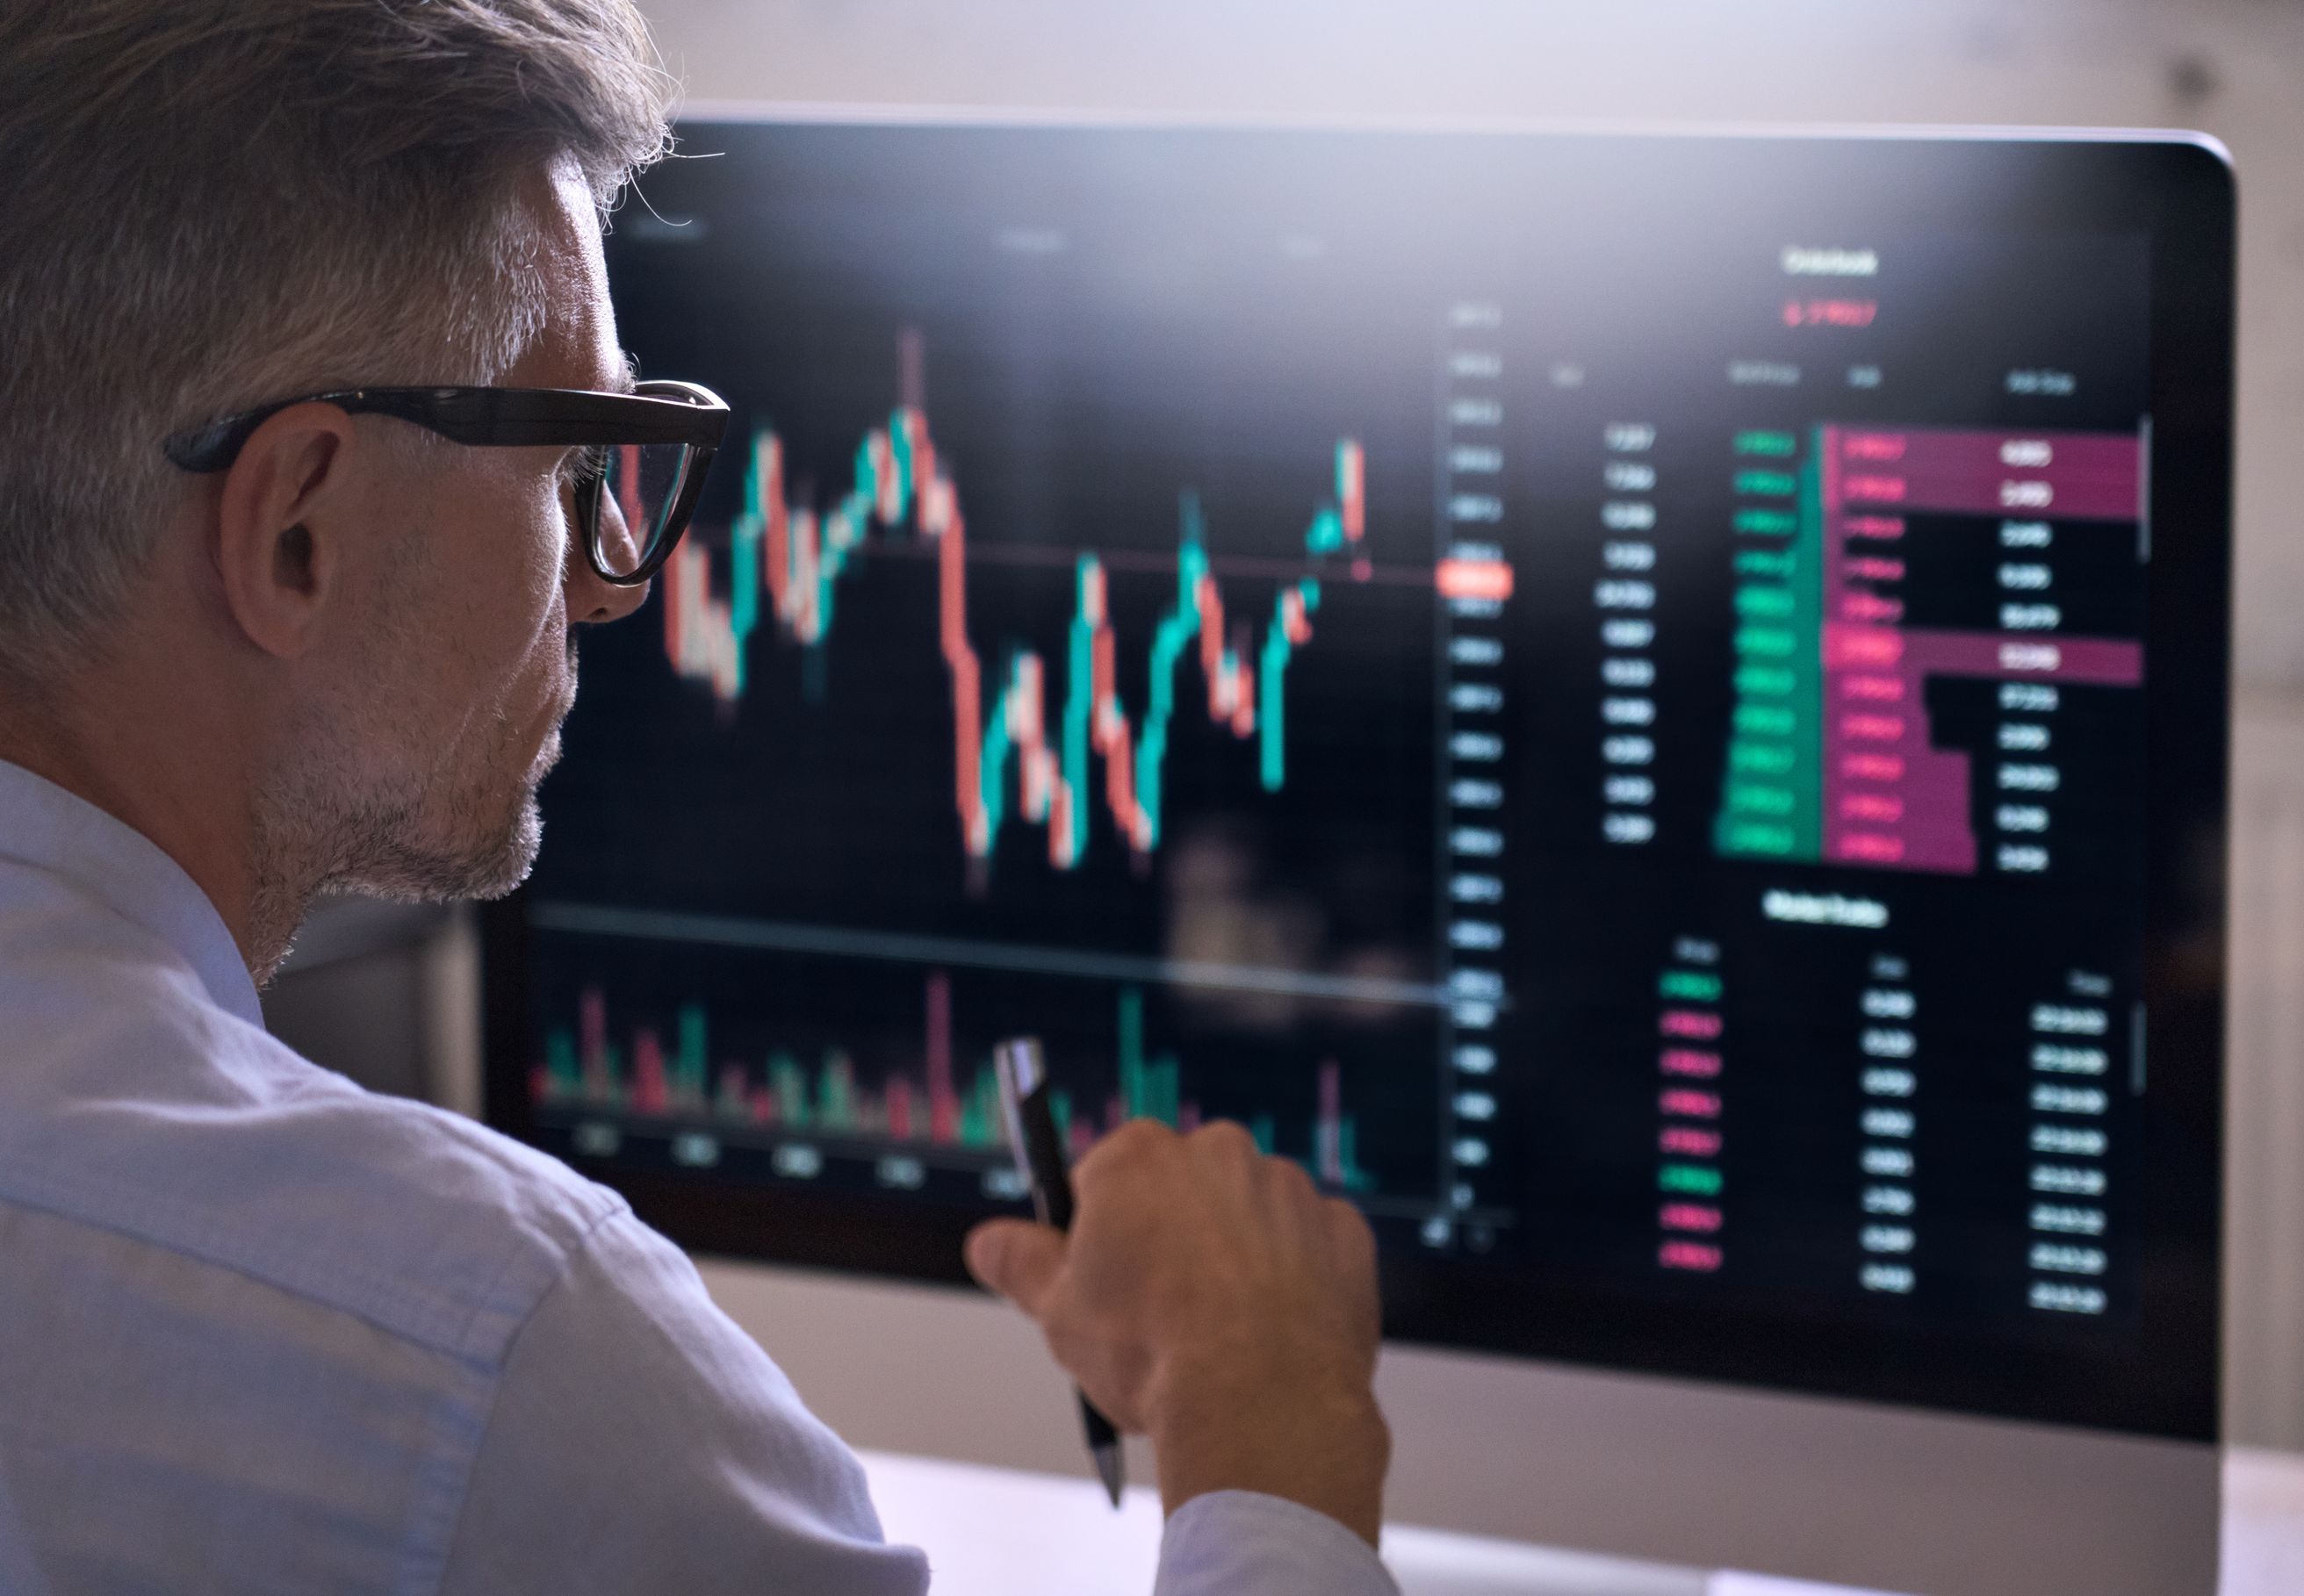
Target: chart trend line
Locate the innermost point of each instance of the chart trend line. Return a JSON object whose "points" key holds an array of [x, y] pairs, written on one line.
{"points": [[793, 557]]}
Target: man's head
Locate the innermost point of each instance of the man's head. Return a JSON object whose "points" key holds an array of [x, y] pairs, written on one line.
{"points": [[216, 204]]}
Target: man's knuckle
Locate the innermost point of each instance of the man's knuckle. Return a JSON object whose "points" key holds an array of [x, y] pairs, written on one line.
{"points": [[1140, 1136], [1227, 1138], [1129, 1144], [1293, 1179]]}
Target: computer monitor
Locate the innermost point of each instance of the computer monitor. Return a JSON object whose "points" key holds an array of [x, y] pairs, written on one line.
{"points": [[1651, 708]]}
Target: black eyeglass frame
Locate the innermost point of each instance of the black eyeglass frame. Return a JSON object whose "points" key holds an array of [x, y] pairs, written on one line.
{"points": [[653, 412]]}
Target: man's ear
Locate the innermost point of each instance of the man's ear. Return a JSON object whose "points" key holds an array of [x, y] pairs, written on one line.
{"points": [[278, 545]]}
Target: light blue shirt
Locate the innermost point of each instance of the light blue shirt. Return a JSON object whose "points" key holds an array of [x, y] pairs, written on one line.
{"points": [[261, 1331]]}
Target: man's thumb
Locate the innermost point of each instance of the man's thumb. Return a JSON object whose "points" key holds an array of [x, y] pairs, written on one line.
{"points": [[1017, 1259]]}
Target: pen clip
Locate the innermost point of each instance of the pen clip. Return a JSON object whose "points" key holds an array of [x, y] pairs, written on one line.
{"points": [[1020, 1071], [1018, 1068]]}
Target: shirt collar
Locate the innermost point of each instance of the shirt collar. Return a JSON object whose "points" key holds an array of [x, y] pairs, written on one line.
{"points": [[49, 829]]}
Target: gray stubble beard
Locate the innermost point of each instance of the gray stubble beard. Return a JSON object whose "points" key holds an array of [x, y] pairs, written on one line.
{"points": [[311, 840]]}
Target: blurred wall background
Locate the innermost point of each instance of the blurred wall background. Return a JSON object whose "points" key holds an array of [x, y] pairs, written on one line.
{"points": [[390, 998]]}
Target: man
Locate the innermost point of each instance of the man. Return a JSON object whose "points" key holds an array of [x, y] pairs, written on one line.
{"points": [[260, 1331]]}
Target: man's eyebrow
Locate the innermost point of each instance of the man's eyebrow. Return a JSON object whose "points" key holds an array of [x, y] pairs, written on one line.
{"points": [[628, 375]]}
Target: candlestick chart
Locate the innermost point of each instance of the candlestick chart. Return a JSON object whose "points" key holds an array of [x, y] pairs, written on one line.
{"points": [[1016, 753]]}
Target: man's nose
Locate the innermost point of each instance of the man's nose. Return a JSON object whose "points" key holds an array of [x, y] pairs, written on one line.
{"points": [[592, 598]]}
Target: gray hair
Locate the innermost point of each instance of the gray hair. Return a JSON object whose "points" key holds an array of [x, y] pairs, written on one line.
{"points": [[206, 204]]}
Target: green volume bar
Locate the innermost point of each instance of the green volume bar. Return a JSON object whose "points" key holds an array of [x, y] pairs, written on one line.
{"points": [[1149, 1088], [688, 1066], [1772, 791]]}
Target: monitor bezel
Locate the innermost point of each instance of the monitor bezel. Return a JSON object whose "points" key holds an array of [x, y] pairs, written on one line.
{"points": [[2177, 189]]}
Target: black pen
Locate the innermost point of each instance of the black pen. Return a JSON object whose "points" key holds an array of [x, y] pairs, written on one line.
{"points": [[1024, 1077]]}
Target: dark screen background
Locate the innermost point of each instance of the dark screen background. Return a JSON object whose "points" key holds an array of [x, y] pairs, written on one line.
{"points": [[1465, 1034]]}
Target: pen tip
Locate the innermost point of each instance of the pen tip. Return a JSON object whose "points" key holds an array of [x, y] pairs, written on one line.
{"points": [[1109, 1466]]}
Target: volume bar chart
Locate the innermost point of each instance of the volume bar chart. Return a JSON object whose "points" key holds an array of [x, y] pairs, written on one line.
{"points": [[584, 1068], [684, 1079]]}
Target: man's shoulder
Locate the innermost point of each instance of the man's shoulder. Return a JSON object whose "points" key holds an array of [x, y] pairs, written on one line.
{"points": [[133, 1103]]}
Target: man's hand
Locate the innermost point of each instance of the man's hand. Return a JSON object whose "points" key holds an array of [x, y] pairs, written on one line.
{"points": [[1210, 1297]]}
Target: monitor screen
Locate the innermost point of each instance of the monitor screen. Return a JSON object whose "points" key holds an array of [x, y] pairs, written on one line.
{"points": [[1650, 709]]}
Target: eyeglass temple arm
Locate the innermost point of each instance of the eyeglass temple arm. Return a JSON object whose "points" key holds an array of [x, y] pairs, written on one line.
{"points": [[509, 417]]}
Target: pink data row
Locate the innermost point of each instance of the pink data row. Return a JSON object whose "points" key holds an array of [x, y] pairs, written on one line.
{"points": [[2058, 474], [2017, 656]]}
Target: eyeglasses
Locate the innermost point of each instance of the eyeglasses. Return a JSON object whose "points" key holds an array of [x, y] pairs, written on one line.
{"points": [[646, 452]]}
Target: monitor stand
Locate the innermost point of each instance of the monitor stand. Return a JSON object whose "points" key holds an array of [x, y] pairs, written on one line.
{"points": [[1670, 1471]]}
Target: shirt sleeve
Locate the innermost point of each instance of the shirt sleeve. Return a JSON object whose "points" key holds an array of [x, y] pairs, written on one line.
{"points": [[640, 1442], [1245, 1543]]}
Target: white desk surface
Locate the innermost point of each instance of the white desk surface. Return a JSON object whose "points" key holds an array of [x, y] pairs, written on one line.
{"points": [[994, 1531]]}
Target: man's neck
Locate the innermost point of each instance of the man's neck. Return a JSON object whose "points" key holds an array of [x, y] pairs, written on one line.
{"points": [[120, 738]]}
